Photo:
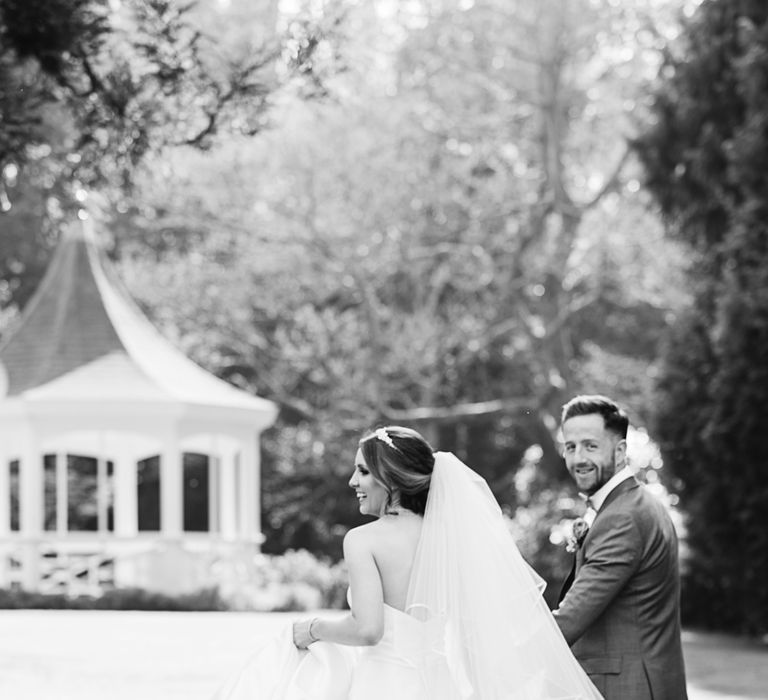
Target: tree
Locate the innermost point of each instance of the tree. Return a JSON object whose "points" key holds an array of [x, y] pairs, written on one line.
{"points": [[120, 81], [705, 152], [451, 237], [89, 90]]}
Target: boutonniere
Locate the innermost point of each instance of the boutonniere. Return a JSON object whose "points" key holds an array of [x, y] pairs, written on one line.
{"points": [[579, 529]]}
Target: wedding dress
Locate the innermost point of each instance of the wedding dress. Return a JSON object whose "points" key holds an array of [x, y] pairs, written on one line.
{"points": [[393, 668], [476, 626]]}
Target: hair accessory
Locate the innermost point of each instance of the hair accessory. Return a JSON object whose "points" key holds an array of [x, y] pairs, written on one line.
{"points": [[381, 434]]}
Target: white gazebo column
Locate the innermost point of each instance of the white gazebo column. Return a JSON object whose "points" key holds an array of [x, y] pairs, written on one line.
{"points": [[250, 491], [62, 494], [228, 505], [171, 488], [214, 498], [126, 515], [126, 497], [31, 511], [5, 514], [102, 495], [5, 494]]}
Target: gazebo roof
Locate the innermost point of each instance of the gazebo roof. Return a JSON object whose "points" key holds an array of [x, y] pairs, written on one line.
{"points": [[81, 338]]}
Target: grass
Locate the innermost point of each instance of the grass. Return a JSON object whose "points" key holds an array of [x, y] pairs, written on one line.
{"points": [[85, 655]]}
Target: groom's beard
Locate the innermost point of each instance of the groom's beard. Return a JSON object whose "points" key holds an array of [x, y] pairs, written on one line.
{"points": [[594, 475]]}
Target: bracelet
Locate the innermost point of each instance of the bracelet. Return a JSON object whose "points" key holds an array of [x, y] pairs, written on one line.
{"points": [[309, 630]]}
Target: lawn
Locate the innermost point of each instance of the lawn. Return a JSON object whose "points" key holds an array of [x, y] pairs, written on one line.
{"points": [[84, 655]]}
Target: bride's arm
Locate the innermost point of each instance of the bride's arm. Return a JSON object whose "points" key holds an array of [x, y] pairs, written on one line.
{"points": [[364, 625]]}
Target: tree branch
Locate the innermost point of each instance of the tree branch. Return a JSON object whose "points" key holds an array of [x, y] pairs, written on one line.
{"points": [[447, 414], [610, 183]]}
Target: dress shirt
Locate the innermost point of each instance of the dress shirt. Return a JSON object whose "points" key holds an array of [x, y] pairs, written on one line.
{"points": [[596, 500]]}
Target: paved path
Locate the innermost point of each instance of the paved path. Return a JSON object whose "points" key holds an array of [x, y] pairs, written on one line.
{"points": [[84, 655], [724, 668]]}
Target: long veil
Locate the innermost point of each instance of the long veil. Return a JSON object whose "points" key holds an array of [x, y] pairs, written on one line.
{"points": [[483, 602]]}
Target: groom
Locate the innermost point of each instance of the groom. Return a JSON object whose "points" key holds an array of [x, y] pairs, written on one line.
{"points": [[621, 611]]}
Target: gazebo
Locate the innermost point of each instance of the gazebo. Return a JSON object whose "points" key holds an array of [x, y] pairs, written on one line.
{"points": [[122, 462]]}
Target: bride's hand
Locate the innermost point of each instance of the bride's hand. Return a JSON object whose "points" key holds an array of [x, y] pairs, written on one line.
{"points": [[302, 634]]}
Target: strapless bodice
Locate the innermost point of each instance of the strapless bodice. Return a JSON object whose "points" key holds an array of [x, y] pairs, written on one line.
{"points": [[403, 639], [400, 664]]}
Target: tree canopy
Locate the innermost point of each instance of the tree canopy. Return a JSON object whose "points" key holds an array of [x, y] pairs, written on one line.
{"points": [[706, 153], [97, 86], [450, 233], [90, 89], [453, 238]]}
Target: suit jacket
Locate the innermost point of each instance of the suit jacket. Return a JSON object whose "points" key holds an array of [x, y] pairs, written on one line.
{"points": [[621, 615]]}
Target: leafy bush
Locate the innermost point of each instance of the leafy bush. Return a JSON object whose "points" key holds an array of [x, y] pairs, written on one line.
{"points": [[705, 153], [117, 599], [296, 580]]}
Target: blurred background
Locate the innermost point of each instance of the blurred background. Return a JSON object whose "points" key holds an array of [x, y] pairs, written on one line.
{"points": [[449, 214]]}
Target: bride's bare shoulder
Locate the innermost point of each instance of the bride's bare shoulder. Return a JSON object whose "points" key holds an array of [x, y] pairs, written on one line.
{"points": [[367, 532], [382, 528], [362, 540], [361, 534], [384, 533]]}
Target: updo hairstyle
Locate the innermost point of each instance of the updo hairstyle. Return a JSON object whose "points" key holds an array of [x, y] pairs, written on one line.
{"points": [[402, 460]]}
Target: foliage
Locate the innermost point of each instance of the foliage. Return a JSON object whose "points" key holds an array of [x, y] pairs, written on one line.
{"points": [[89, 89], [124, 80], [706, 152], [94, 87], [26, 245], [117, 599], [451, 235], [452, 239], [296, 580], [537, 527]]}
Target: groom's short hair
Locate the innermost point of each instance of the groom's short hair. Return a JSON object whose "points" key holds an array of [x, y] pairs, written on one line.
{"points": [[615, 418]]}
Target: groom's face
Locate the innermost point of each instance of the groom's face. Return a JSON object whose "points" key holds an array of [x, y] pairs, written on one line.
{"points": [[592, 453]]}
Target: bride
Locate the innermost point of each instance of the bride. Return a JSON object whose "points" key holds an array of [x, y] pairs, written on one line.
{"points": [[442, 604]]}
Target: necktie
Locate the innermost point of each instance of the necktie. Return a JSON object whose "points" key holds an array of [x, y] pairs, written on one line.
{"points": [[590, 513]]}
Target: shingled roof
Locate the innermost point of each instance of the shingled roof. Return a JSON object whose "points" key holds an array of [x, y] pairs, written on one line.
{"points": [[82, 338]]}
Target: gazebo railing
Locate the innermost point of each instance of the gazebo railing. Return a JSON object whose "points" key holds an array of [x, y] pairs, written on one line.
{"points": [[90, 565]]}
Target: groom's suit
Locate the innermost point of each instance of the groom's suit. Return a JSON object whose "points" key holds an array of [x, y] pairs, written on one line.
{"points": [[621, 615]]}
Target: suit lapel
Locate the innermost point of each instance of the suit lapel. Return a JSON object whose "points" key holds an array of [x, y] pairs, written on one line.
{"points": [[626, 485]]}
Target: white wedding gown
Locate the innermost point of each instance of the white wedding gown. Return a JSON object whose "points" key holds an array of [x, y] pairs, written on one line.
{"points": [[397, 668], [477, 627]]}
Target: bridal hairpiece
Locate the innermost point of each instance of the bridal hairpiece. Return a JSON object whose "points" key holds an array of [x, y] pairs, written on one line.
{"points": [[381, 434]]}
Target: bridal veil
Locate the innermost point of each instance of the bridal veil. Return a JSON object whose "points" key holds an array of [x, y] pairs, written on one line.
{"points": [[482, 603]]}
